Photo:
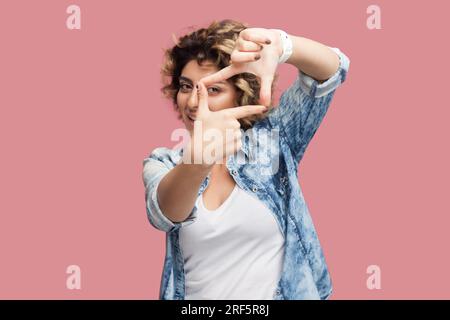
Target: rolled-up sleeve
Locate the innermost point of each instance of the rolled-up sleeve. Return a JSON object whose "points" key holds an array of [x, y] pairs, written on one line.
{"points": [[304, 104], [154, 170]]}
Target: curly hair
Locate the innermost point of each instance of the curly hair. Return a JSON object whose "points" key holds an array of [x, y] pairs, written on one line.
{"points": [[213, 44]]}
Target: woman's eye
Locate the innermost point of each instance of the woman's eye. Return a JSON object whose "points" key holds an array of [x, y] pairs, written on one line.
{"points": [[184, 87], [217, 90]]}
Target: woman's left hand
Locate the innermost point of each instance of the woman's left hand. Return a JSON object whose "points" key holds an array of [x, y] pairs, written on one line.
{"points": [[257, 51]]}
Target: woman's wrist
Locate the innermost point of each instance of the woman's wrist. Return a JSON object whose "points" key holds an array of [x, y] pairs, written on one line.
{"points": [[276, 41], [283, 43]]}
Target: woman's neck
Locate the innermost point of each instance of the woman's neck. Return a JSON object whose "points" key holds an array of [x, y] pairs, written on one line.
{"points": [[219, 169]]}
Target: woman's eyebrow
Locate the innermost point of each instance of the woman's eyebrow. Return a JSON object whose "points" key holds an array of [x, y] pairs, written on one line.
{"points": [[190, 81]]}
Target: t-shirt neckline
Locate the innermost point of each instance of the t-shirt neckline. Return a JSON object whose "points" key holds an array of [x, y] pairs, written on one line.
{"points": [[223, 206]]}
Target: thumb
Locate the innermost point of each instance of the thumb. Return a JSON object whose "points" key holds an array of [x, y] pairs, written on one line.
{"points": [[203, 107], [265, 93]]}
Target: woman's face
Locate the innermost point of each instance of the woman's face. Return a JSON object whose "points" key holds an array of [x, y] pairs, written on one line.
{"points": [[221, 95]]}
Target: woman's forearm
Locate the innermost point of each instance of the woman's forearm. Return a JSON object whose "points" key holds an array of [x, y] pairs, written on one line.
{"points": [[313, 58], [177, 191]]}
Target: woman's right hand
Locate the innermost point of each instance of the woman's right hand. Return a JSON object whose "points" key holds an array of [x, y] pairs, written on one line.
{"points": [[216, 134]]}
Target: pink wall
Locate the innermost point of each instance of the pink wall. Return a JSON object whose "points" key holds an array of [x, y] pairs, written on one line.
{"points": [[81, 109]]}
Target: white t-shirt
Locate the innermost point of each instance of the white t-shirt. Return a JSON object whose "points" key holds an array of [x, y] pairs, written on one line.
{"points": [[233, 252]]}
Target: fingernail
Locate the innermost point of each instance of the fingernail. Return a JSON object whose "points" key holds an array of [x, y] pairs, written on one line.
{"points": [[268, 41], [257, 57]]}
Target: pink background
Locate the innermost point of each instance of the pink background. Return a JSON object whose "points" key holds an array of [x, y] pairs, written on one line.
{"points": [[81, 109]]}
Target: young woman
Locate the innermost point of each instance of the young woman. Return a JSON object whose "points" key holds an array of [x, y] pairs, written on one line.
{"points": [[236, 223]]}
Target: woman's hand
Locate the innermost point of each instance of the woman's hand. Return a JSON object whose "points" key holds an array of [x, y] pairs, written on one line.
{"points": [[216, 134], [256, 51]]}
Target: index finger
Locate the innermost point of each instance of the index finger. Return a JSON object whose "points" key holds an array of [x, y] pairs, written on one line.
{"points": [[245, 111], [255, 37], [220, 75]]}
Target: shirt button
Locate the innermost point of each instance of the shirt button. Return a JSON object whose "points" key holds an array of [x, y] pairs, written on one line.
{"points": [[233, 172], [254, 189]]}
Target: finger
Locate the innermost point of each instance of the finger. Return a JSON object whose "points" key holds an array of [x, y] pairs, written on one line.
{"points": [[245, 111], [265, 93], [202, 93], [220, 75], [239, 56], [244, 45], [255, 37]]}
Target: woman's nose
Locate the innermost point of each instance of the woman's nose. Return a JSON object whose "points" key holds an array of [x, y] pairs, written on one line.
{"points": [[193, 100]]}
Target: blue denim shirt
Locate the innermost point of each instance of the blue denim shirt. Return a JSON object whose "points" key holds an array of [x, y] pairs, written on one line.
{"points": [[272, 177]]}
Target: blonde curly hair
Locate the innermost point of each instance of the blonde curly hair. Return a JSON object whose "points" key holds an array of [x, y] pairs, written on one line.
{"points": [[215, 44]]}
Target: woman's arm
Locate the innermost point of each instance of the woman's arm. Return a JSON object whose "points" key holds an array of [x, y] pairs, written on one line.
{"points": [[177, 191], [313, 58]]}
